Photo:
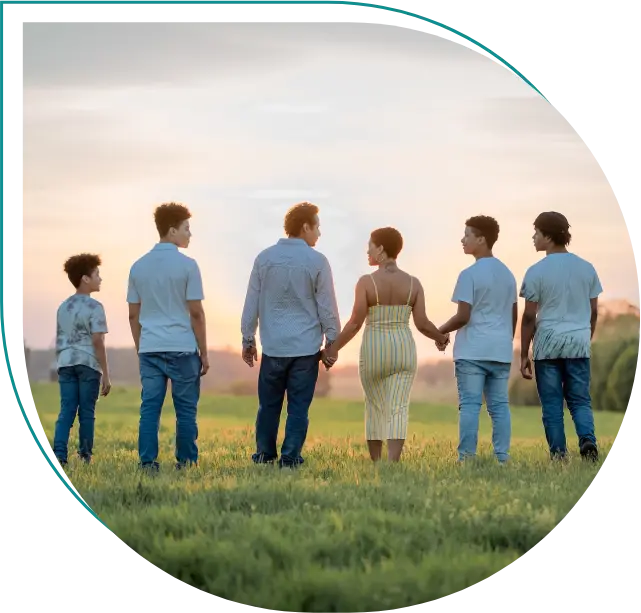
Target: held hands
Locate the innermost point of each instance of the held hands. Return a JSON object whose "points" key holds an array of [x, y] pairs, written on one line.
{"points": [[442, 345], [329, 356]]}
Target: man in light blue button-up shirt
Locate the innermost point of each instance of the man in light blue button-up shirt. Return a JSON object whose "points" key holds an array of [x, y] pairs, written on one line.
{"points": [[167, 320], [291, 299]]}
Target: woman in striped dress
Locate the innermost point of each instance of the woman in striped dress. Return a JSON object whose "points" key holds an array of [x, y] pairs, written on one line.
{"points": [[386, 299]]}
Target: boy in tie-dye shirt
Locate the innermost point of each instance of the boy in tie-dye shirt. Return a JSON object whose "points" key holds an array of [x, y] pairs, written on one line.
{"points": [[81, 356]]}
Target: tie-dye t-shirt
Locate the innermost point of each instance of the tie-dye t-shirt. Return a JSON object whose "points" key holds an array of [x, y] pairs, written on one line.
{"points": [[562, 284], [79, 316]]}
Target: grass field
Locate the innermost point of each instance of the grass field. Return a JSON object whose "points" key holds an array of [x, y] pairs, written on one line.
{"points": [[340, 534]]}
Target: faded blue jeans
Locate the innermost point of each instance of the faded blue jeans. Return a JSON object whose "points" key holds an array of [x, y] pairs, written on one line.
{"points": [[79, 389], [297, 377], [474, 380], [569, 380], [183, 370]]}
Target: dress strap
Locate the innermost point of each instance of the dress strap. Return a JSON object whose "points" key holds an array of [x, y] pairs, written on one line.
{"points": [[375, 289], [409, 298]]}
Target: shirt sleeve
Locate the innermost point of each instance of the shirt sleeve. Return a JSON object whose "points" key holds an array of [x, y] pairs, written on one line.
{"points": [[595, 285], [531, 287], [132, 293], [249, 319], [464, 289], [98, 320], [326, 303], [194, 283]]}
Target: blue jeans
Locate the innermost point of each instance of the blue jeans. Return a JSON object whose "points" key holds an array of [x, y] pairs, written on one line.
{"points": [[475, 379], [297, 377], [79, 389], [567, 379], [183, 370]]}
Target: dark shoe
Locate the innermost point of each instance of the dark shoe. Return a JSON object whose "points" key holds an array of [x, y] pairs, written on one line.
{"points": [[589, 451], [184, 465], [262, 458], [150, 467], [85, 458], [62, 462]]}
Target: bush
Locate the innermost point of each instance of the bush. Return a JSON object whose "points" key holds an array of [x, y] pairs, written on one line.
{"points": [[621, 379], [605, 354]]}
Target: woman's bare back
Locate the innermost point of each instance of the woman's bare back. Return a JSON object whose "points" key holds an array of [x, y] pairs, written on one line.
{"points": [[393, 286]]}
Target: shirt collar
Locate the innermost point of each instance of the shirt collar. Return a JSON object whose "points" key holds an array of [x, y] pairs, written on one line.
{"points": [[292, 241], [165, 247]]}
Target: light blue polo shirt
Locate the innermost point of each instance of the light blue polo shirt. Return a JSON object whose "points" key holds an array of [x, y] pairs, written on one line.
{"points": [[162, 281]]}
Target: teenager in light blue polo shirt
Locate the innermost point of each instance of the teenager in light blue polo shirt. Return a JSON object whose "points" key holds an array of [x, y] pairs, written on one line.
{"points": [[168, 326], [486, 321], [561, 307]]}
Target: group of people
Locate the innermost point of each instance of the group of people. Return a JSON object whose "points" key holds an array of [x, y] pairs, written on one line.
{"points": [[292, 305]]}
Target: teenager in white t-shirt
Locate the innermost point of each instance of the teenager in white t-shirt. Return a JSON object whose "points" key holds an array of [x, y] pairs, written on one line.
{"points": [[561, 293], [486, 321]]}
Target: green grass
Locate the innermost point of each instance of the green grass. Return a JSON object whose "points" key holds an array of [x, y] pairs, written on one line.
{"points": [[340, 534]]}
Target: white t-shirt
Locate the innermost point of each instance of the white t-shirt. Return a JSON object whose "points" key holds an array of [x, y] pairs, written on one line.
{"points": [[490, 287], [562, 284]]}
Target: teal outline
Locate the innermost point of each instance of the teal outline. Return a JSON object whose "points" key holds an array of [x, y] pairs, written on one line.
{"points": [[347, 3]]}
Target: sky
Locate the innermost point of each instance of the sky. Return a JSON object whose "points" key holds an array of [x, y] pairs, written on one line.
{"points": [[377, 125]]}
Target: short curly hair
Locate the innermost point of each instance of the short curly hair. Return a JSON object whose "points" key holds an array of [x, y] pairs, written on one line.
{"points": [[484, 226], [555, 227], [77, 266], [390, 239], [298, 216], [170, 215]]}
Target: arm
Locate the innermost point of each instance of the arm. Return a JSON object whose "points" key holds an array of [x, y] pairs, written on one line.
{"points": [[133, 298], [462, 317], [98, 329], [134, 323], [463, 296], [197, 316], [194, 297], [530, 291], [515, 318], [594, 315], [249, 318], [326, 303], [528, 324], [355, 323], [595, 291], [421, 321]]}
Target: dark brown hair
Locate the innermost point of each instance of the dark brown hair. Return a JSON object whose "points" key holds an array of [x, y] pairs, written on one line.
{"points": [[484, 226], [170, 215], [555, 227], [390, 239], [77, 266], [298, 216]]}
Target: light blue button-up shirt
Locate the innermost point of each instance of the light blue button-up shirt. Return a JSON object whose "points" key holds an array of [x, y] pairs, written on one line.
{"points": [[162, 281], [291, 297]]}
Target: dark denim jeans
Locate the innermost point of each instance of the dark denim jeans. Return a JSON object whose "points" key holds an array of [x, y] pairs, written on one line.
{"points": [[79, 389], [567, 379], [183, 370], [474, 380], [297, 377]]}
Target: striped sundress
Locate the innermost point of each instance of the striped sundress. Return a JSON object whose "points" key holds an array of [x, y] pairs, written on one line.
{"points": [[387, 369]]}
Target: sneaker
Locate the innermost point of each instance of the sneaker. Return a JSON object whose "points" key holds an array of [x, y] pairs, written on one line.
{"points": [[184, 465], [589, 451], [151, 467]]}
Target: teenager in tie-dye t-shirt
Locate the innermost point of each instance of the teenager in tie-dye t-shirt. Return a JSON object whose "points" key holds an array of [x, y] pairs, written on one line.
{"points": [[561, 294], [81, 356]]}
